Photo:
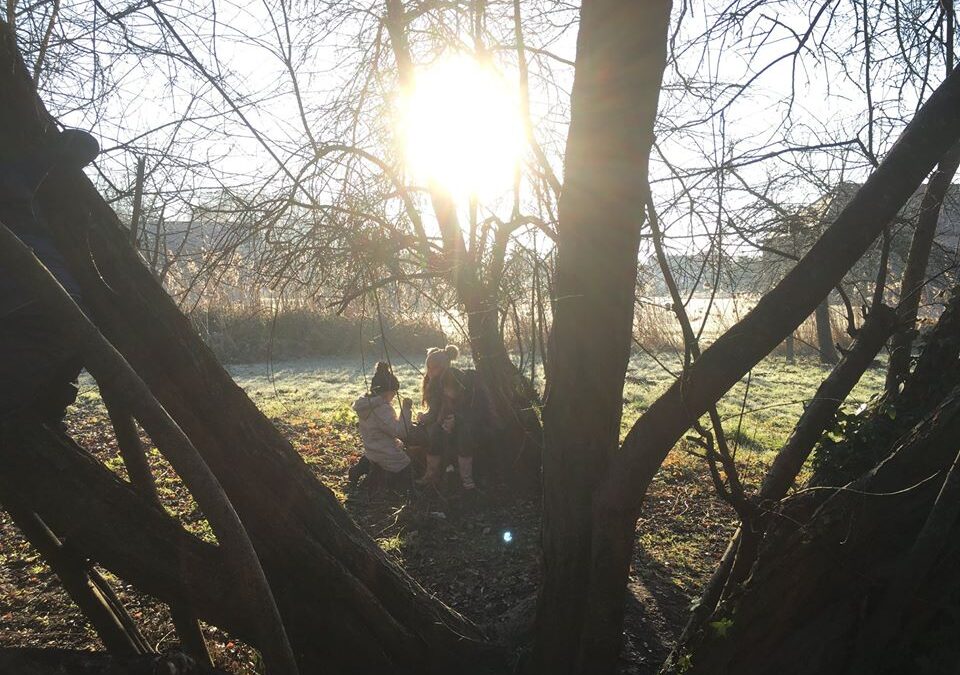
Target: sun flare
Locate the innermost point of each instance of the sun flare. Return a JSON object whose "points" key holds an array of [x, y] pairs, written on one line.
{"points": [[461, 127]]}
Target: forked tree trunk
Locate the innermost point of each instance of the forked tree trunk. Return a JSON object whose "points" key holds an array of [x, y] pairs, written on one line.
{"points": [[348, 608], [621, 52], [514, 397]]}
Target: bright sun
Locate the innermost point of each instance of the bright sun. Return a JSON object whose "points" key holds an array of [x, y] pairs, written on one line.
{"points": [[462, 127]]}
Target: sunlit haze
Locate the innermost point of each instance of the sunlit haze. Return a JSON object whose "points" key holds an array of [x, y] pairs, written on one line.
{"points": [[460, 127]]}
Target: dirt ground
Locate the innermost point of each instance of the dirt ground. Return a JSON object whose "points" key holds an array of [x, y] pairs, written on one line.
{"points": [[478, 554]]}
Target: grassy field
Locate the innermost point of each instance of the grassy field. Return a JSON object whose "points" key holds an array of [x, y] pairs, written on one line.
{"points": [[770, 398], [453, 546], [761, 409]]}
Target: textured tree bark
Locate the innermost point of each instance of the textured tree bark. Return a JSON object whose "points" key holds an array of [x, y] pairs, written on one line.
{"points": [[109, 367], [323, 569], [517, 448], [621, 51], [886, 624], [105, 519]]}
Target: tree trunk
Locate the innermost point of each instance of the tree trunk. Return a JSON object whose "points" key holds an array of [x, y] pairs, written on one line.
{"points": [[814, 421], [621, 50], [323, 569], [135, 460], [616, 501], [825, 346], [830, 395], [108, 366], [819, 412], [911, 286], [137, 204], [516, 449], [934, 538], [937, 373], [110, 523], [514, 398]]}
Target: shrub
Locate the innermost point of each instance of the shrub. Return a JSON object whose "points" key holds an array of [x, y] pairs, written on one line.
{"points": [[240, 337]]}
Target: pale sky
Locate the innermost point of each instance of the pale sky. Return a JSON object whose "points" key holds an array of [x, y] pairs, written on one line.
{"points": [[242, 46]]}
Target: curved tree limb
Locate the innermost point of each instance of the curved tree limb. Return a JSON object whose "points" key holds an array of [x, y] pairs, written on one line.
{"points": [[82, 583], [105, 518], [110, 369]]}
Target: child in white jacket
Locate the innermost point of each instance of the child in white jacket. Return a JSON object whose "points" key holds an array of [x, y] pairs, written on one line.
{"points": [[381, 429]]}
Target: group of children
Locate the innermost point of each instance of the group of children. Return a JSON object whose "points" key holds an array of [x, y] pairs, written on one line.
{"points": [[448, 430]]}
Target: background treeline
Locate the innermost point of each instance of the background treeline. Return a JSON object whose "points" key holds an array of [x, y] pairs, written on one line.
{"points": [[248, 336]]}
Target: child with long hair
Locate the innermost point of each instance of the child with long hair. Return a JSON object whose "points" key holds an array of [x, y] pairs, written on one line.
{"points": [[451, 423]]}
